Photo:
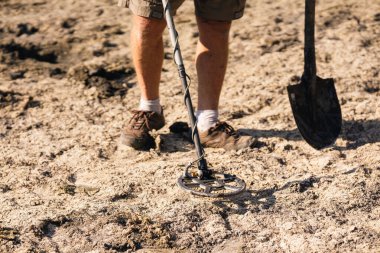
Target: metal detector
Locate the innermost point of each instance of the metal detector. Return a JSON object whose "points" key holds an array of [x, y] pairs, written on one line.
{"points": [[201, 181]]}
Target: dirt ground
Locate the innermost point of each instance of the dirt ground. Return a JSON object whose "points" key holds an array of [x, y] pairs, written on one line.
{"points": [[67, 86]]}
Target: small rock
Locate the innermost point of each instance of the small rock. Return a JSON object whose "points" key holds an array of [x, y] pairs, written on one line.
{"points": [[17, 74]]}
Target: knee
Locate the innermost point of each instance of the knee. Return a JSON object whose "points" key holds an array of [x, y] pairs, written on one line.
{"points": [[146, 28], [214, 27]]}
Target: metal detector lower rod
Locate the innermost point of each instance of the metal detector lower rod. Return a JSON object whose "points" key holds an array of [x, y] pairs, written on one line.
{"points": [[202, 164]]}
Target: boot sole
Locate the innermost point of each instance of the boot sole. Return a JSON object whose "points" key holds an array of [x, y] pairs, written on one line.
{"points": [[142, 144]]}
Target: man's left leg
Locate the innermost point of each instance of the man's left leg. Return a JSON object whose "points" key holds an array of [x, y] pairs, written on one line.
{"points": [[211, 64], [211, 61]]}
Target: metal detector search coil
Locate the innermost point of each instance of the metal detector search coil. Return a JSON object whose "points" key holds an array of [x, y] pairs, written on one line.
{"points": [[215, 185]]}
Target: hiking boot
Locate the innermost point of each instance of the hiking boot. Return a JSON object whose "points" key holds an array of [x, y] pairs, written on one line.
{"points": [[222, 135], [136, 132]]}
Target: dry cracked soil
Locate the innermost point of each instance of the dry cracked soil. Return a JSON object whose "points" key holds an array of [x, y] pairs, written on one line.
{"points": [[67, 86]]}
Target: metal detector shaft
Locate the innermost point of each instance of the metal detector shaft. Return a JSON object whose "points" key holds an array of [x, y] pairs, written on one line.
{"points": [[202, 164]]}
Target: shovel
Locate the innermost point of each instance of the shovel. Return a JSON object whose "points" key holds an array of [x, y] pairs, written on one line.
{"points": [[314, 101]]}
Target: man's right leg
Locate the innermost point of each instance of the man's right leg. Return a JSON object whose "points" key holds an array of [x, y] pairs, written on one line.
{"points": [[147, 54]]}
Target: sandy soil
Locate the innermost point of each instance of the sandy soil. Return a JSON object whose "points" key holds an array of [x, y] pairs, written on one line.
{"points": [[66, 89]]}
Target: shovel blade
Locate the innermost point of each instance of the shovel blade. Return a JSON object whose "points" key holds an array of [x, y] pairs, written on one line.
{"points": [[318, 118]]}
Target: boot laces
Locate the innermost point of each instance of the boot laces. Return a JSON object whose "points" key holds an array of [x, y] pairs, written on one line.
{"points": [[140, 119], [226, 128]]}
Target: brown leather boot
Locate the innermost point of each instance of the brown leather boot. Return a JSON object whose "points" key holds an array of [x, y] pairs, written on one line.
{"points": [[222, 135], [136, 132]]}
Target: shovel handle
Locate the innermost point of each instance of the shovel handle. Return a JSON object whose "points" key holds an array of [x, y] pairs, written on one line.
{"points": [[310, 67]]}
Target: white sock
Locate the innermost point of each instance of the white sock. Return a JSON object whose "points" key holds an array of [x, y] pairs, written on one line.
{"points": [[206, 119], [150, 105]]}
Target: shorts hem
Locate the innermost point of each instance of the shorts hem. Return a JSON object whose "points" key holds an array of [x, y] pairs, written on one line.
{"points": [[146, 11], [217, 17]]}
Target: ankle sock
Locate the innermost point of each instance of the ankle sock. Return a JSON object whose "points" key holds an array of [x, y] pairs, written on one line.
{"points": [[150, 105], [206, 119]]}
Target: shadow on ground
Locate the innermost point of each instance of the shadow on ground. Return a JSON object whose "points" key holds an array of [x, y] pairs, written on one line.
{"points": [[255, 201], [356, 132]]}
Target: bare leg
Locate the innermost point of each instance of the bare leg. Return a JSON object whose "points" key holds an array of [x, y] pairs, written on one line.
{"points": [[147, 52], [211, 61]]}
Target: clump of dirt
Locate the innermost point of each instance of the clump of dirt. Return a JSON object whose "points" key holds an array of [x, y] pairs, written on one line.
{"points": [[279, 44], [9, 98], [13, 51], [57, 73], [17, 74], [335, 16], [69, 23], [25, 28], [108, 82], [372, 88], [118, 232], [9, 234], [303, 185], [4, 188], [140, 232], [48, 227]]}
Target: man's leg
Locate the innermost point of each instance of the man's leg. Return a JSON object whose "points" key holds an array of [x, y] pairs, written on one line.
{"points": [[211, 61], [147, 53]]}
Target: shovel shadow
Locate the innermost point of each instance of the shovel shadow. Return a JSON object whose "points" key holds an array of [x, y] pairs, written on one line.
{"points": [[360, 132]]}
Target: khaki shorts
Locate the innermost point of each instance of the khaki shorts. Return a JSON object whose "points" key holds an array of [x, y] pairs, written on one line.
{"points": [[218, 10]]}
